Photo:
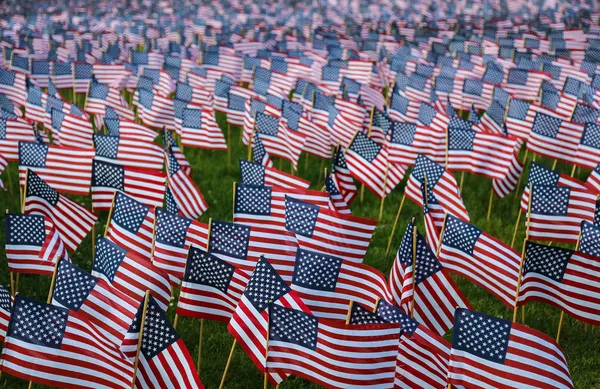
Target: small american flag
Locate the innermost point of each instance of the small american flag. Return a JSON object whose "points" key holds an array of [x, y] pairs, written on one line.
{"points": [[519, 118], [12, 84], [476, 255], [186, 193], [590, 242], [116, 126], [253, 173], [144, 185], [129, 273], [211, 287], [128, 151], [260, 154], [408, 140], [524, 84], [82, 75], [131, 224], [199, 129], [588, 151], [155, 110], [72, 220], [434, 296], [488, 348], [101, 96], [6, 302], [249, 324], [555, 138], [33, 244], [339, 168], [162, 354], [327, 284], [593, 180], [104, 307], [328, 232], [336, 200], [60, 334], [71, 130], [508, 183], [279, 140], [62, 75], [330, 353]]}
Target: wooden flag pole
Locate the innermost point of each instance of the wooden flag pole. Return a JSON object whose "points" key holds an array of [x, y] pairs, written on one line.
{"points": [[86, 94], [554, 164], [387, 251], [251, 138], [24, 191], [414, 264], [528, 211], [512, 244], [9, 180], [385, 181], [112, 206], [140, 337], [490, 203], [228, 363], [12, 279], [228, 146], [516, 308], [200, 345], [349, 313], [521, 175], [462, 180]]}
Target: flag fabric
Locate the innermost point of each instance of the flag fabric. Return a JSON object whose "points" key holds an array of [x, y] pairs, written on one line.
{"points": [[13, 131], [254, 173], [101, 96], [249, 324], [144, 185], [173, 237], [328, 232], [155, 110], [64, 351], [488, 349], [331, 353], [6, 303], [336, 200], [199, 129], [185, 192], [72, 221], [12, 85], [588, 151], [369, 163], [131, 225], [33, 244], [128, 151], [555, 138], [259, 153], [432, 232], [129, 273], [593, 180], [117, 126], [428, 289], [66, 169], [164, 360], [341, 172], [327, 284], [105, 308], [589, 243], [279, 139], [563, 278], [408, 140], [71, 129], [476, 255], [211, 287], [3, 166], [502, 187]]}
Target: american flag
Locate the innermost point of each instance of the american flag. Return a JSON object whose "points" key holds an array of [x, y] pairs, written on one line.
{"points": [[330, 353], [6, 302], [33, 244], [476, 255], [432, 232], [243, 245], [35, 104], [427, 293], [524, 84], [129, 273], [211, 287], [70, 129], [173, 237], [116, 126], [489, 349], [369, 163], [519, 118], [556, 103], [128, 151], [199, 129], [51, 355], [249, 324], [328, 232], [144, 185], [589, 243], [555, 138], [279, 140], [408, 140], [588, 151], [155, 110], [593, 180], [253, 173], [563, 278], [131, 224], [429, 116], [82, 76], [557, 211], [264, 206], [345, 121], [259, 152], [105, 308], [171, 147], [493, 117], [442, 190], [12, 85], [62, 75], [336, 200], [3, 166], [187, 195], [508, 183], [66, 169], [480, 152], [163, 357], [339, 169], [72, 220], [101, 96], [327, 284]]}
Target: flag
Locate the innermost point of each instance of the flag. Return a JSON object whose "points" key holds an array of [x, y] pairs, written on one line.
{"points": [[62, 75], [339, 169], [155, 110], [128, 151], [131, 225], [259, 153], [66, 169], [432, 232], [487, 349], [3, 166], [33, 244], [330, 353], [185, 192], [164, 360], [369, 163], [554, 138], [12, 85], [71, 129], [593, 180], [476, 255], [72, 220], [328, 232], [588, 150], [117, 126], [428, 289], [129, 273], [13, 131], [249, 324], [6, 302], [144, 185], [278, 139], [336, 200], [105, 308], [253, 173], [327, 284], [561, 277], [65, 349], [589, 242], [502, 187], [173, 236], [524, 84], [82, 76], [101, 96], [519, 118], [443, 195], [408, 140], [199, 129], [211, 287]]}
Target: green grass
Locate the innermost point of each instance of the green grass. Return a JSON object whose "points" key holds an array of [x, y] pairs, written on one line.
{"points": [[215, 178]]}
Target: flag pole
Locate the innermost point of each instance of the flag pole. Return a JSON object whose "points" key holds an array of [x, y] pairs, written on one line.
{"points": [[24, 191], [462, 180], [140, 337], [490, 203], [266, 374], [229, 145], [528, 211], [12, 279], [521, 175], [385, 181], [414, 264], [228, 363], [512, 244], [94, 234], [387, 251], [523, 260], [112, 206], [349, 313], [516, 308]]}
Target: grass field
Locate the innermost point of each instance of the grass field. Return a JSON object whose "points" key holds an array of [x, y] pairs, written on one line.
{"points": [[214, 177]]}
